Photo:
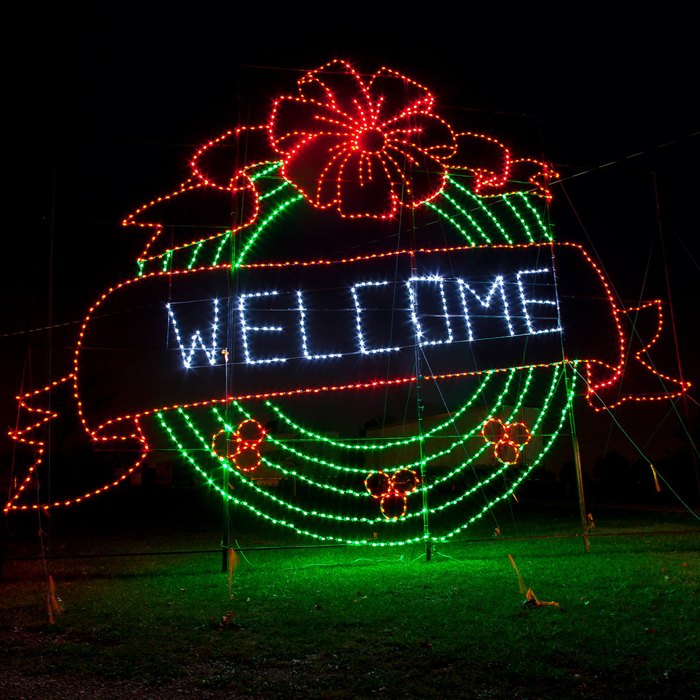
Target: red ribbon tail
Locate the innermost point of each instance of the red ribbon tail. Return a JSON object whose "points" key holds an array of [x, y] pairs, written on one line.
{"points": [[636, 378], [34, 415], [32, 431]]}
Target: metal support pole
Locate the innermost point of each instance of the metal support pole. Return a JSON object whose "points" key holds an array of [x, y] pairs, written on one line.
{"points": [[228, 383], [424, 491], [579, 481], [3, 538], [225, 534], [225, 514], [574, 436], [226, 504], [672, 316], [419, 411]]}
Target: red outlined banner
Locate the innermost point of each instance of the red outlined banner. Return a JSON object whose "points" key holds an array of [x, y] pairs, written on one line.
{"points": [[131, 360], [310, 326], [361, 147]]}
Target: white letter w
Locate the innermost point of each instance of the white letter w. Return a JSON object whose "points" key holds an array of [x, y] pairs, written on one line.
{"points": [[196, 341]]}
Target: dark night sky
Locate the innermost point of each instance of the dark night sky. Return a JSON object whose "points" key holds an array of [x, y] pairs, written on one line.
{"points": [[109, 107]]}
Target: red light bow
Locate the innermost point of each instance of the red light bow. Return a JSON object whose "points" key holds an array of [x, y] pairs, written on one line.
{"points": [[362, 147]]}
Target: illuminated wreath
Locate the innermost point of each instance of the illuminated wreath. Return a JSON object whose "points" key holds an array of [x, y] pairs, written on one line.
{"points": [[358, 151]]}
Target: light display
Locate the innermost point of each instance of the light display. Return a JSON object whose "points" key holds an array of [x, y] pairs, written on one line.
{"points": [[508, 439], [247, 439], [365, 148], [376, 257], [392, 491]]}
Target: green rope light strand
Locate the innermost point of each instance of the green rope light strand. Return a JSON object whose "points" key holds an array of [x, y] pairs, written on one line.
{"points": [[318, 460], [385, 444], [402, 443], [452, 421], [370, 542], [463, 212], [543, 412], [536, 214], [444, 215], [196, 250], [458, 469], [535, 463], [244, 481], [525, 226], [483, 208], [282, 186], [167, 258], [248, 483], [240, 502], [220, 249], [260, 171], [449, 475], [255, 234]]}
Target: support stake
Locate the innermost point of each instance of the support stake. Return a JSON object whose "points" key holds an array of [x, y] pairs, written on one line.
{"points": [[579, 480]]}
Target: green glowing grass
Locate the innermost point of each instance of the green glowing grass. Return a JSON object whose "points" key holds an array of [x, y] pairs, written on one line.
{"points": [[359, 622]]}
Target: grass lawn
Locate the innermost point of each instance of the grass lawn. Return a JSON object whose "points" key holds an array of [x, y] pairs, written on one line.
{"points": [[360, 622]]}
